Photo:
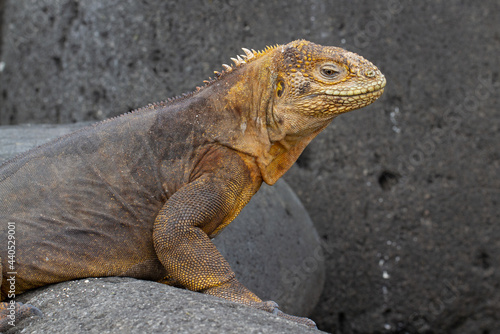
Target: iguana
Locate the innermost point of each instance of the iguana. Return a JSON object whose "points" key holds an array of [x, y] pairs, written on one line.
{"points": [[142, 194]]}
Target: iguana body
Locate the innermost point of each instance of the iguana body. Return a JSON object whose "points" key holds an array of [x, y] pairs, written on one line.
{"points": [[141, 195]]}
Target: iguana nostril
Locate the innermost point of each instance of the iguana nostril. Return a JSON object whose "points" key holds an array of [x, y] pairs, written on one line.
{"points": [[370, 73]]}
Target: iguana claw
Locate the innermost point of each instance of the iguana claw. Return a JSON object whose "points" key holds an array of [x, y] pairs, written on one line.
{"points": [[11, 316], [272, 307]]}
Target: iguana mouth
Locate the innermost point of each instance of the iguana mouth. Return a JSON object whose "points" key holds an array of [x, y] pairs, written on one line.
{"points": [[350, 96], [375, 94], [372, 90]]}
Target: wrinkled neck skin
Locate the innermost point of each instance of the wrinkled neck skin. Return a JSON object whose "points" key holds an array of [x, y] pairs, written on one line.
{"points": [[242, 116], [290, 132]]}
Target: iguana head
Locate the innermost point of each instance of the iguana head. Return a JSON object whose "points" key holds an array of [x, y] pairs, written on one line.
{"points": [[312, 84], [322, 81], [302, 86]]}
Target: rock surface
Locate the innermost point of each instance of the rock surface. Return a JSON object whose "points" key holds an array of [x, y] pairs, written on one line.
{"points": [[127, 305], [272, 245], [404, 193]]}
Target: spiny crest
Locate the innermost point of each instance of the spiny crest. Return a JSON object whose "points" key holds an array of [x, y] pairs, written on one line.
{"points": [[249, 56]]}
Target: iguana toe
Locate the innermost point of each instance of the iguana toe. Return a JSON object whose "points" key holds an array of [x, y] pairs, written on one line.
{"points": [[272, 307], [10, 314], [28, 310]]}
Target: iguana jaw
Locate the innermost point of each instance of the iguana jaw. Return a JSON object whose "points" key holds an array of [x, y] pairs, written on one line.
{"points": [[344, 101]]}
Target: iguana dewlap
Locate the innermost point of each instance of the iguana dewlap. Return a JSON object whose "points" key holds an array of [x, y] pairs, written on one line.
{"points": [[140, 195]]}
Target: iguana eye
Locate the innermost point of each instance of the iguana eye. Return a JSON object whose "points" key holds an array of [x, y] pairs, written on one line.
{"points": [[329, 71]]}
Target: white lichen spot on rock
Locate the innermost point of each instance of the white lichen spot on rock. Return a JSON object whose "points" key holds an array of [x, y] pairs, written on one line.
{"points": [[394, 121]]}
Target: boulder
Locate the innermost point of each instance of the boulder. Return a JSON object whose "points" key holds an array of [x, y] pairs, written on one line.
{"points": [[127, 305]]}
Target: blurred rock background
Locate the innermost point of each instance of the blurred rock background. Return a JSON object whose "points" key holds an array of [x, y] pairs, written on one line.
{"points": [[404, 194]]}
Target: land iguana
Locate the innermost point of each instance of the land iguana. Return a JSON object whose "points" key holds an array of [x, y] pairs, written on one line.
{"points": [[142, 194]]}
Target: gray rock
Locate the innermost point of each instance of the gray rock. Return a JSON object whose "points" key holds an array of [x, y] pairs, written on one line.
{"points": [[127, 305], [272, 245], [15, 140]]}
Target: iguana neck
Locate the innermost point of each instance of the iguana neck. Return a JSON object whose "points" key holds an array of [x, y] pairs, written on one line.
{"points": [[237, 105]]}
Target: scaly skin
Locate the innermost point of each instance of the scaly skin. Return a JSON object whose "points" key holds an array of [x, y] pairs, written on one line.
{"points": [[141, 195]]}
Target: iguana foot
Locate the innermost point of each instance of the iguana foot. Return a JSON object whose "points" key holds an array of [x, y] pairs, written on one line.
{"points": [[11, 314], [236, 292], [272, 307]]}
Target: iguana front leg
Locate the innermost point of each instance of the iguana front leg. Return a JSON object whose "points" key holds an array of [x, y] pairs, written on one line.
{"points": [[182, 228]]}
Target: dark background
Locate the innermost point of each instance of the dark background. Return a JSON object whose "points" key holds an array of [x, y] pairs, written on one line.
{"points": [[405, 192]]}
